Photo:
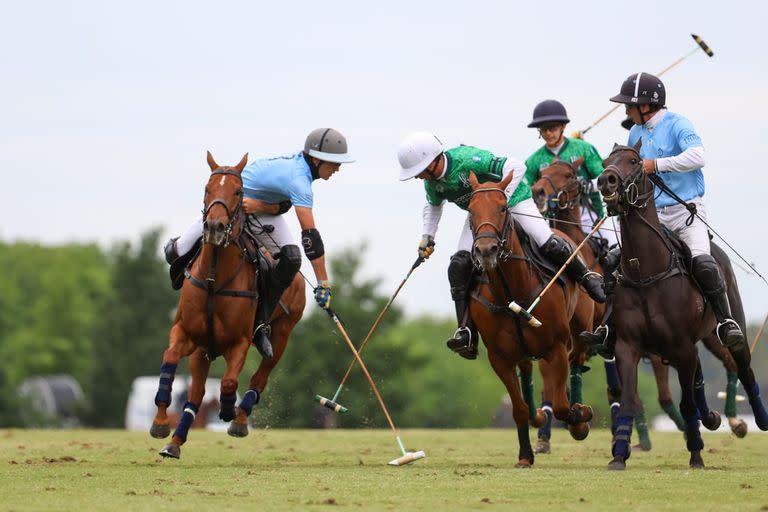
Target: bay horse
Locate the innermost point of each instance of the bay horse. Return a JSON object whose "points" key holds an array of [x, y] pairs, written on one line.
{"points": [[216, 312], [510, 342], [559, 193], [658, 309]]}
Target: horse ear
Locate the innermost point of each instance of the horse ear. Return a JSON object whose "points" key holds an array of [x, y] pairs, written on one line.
{"points": [[473, 180], [505, 182], [577, 163], [638, 144], [211, 162], [239, 167], [615, 147]]}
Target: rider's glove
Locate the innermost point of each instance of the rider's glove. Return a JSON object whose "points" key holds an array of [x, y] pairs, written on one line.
{"points": [[426, 246], [323, 294]]}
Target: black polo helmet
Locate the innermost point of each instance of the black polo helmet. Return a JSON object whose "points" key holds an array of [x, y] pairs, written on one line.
{"points": [[548, 111], [642, 89]]}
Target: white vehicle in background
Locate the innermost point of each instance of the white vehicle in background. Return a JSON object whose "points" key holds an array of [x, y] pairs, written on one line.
{"points": [[140, 410]]}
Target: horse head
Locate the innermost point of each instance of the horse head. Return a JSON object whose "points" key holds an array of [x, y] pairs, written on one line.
{"points": [[623, 182], [489, 220], [558, 187], [223, 202]]}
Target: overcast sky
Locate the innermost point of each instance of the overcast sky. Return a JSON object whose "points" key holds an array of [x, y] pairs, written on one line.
{"points": [[108, 108]]}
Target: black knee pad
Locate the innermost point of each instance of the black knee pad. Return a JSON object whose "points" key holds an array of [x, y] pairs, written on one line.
{"points": [[460, 271], [707, 273], [556, 248], [288, 264]]}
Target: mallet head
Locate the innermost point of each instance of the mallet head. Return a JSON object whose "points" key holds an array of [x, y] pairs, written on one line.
{"points": [[408, 458], [330, 404], [703, 45]]}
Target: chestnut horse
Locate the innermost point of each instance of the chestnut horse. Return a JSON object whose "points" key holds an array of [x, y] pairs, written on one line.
{"points": [[559, 193], [510, 342], [216, 313], [658, 309]]}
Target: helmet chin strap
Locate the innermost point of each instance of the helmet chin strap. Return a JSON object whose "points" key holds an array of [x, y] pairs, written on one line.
{"points": [[314, 169]]}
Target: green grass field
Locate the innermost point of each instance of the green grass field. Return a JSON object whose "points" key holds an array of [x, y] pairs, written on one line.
{"points": [[314, 470]]}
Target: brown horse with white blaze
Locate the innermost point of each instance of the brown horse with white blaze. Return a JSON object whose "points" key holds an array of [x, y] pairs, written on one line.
{"points": [[511, 343]]}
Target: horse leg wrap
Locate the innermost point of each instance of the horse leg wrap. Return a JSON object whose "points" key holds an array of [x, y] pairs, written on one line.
{"points": [[187, 417], [227, 410], [761, 416], [167, 373], [693, 439], [545, 432], [612, 379], [700, 396], [526, 384], [674, 413], [730, 395], [250, 398], [621, 447], [576, 397], [641, 424]]}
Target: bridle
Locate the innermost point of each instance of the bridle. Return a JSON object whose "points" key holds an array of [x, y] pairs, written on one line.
{"points": [[628, 195], [232, 215], [498, 233], [561, 199]]}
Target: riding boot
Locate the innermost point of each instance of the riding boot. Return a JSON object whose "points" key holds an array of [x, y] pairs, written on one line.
{"points": [[171, 253], [178, 262], [603, 340], [707, 274], [460, 272], [273, 281], [558, 251]]}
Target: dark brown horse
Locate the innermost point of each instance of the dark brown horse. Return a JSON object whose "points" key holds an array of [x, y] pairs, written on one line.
{"points": [[658, 309], [511, 343], [216, 313]]}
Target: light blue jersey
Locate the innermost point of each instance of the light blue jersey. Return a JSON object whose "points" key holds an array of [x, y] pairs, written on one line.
{"points": [[285, 178], [670, 137]]}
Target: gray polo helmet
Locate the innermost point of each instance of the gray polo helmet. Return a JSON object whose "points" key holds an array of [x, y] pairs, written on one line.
{"points": [[548, 111], [328, 145], [642, 89]]}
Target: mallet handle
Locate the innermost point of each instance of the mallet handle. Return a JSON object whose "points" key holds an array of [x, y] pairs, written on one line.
{"points": [[759, 335]]}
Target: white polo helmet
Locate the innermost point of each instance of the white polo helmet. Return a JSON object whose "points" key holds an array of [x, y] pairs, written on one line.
{"points": [[416, 152], [328, 145]]}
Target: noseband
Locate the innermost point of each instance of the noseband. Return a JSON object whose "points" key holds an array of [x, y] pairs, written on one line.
{"points": [[627, 194], [232, 215]]}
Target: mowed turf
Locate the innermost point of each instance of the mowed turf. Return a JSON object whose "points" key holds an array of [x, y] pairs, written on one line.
{"points": [[112, 470]]}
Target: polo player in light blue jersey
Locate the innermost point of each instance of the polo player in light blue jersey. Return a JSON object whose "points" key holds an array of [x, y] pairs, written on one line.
{"points": [[271, 187], [673, 150]]}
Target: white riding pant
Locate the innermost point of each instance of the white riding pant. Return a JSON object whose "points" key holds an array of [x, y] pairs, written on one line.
{"points": [[588, 221], [529, 217], [271, 241], [695, 235]]}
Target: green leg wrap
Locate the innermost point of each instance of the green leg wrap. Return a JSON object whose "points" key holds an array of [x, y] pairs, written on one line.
{"points": [[576, 397], [526, 385], [674, 413], [642, 431], [730, 395]]}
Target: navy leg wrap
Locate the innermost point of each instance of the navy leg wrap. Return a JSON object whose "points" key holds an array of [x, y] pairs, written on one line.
{"points": [[611, 374], [250, 398], [167, 373], [227, 409], [692, 435], [187, 417], [761, 416], [700, 395], [622, 437], [545, 432]]}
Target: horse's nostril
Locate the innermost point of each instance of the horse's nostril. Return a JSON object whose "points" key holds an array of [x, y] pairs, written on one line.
{"points": [[612, 179]]}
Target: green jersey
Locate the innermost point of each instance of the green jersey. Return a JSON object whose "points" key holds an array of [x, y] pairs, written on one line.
{"points": [[572, 149], [454, 185]]}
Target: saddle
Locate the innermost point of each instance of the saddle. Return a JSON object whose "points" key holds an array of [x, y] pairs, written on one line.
{"points": [[545, 267]]}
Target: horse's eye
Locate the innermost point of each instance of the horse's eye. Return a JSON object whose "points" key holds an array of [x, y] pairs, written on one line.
{"points": [[634, 161], [239, 193]]}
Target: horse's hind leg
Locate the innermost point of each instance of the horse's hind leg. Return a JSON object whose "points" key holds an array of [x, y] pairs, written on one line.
{"points": [[710, 419], [554, 372], [738, 426], [198, 367], [508, 376], [627, 357], [661, 372], [179, 346]]}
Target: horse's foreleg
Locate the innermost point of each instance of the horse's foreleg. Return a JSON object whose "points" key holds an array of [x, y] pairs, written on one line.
{"points": [[235, 358], [627, 357], [536, 417], [710, 419], [661, 373], [686, 372], [613, 391], [506, 372], [198, 368], [179, 345]]}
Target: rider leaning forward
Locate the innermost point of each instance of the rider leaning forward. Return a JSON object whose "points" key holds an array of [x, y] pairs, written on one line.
{"points": [[446, 178], [672, 149], [271, 187]]}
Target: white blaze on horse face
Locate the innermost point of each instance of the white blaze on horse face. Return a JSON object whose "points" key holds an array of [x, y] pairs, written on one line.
{"points": [[221, 181]]}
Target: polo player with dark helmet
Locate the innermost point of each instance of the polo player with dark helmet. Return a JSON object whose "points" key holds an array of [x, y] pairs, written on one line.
{"points": [[673, 150], [271, 187], [446, 178]]}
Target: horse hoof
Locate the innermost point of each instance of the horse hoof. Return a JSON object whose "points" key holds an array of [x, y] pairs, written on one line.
{"points": [[579, 431], [696, 461], [237, 429], [524, 464], [171, 450], [540, 419], [642, 447], [586, 412], [713, 421], [738, 427], [542, 446], [160, 430], [617, 464]]}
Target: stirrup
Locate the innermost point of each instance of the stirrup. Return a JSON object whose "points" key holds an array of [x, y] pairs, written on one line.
{"points": [[732, 344], [467, 350], [266, 335]]}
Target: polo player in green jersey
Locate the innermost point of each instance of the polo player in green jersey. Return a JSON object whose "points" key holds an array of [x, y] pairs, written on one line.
{"points": [[446, 178]]}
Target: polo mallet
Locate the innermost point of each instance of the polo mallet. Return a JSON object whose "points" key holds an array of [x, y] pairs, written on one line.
{"points": [[700, 45], [407, 457], [332, 404], [526, 314]]}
